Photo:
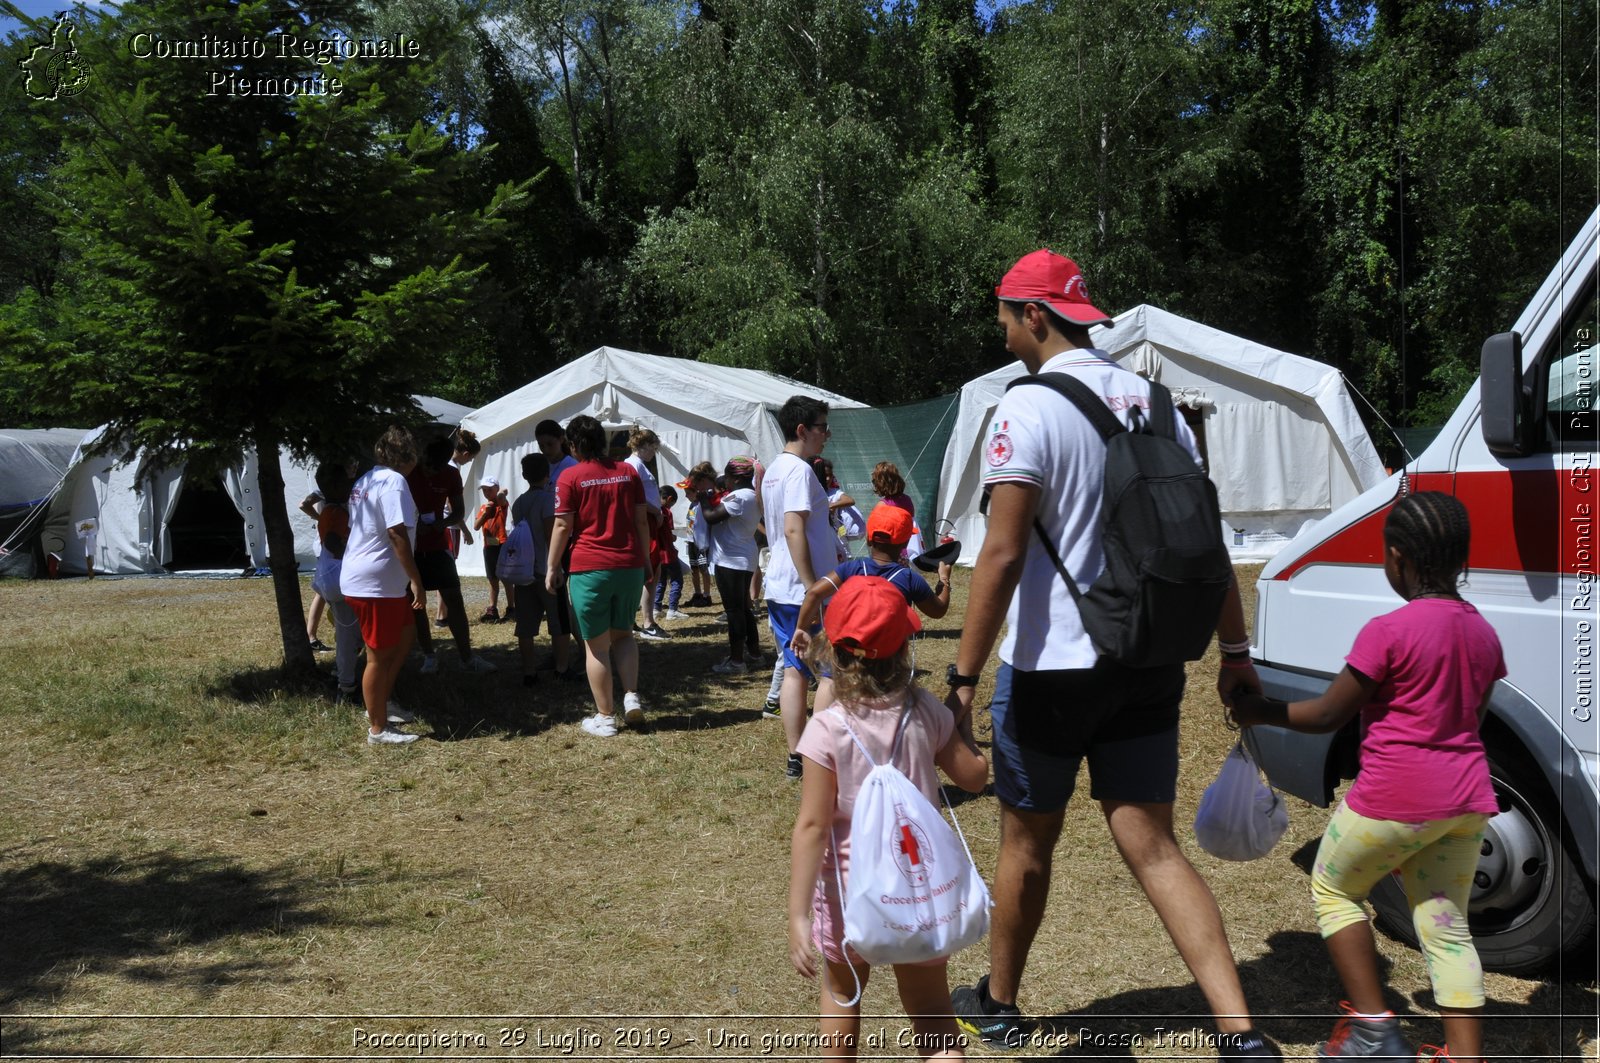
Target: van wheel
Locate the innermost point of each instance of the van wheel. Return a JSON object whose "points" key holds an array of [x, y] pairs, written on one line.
{"points": [[1529, 900]]}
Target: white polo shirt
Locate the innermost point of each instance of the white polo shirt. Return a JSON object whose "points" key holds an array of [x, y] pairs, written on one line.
{"points": [[1038, 437], [791, 487]]}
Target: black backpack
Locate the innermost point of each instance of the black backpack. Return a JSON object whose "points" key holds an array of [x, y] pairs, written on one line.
{"points": [[1166, 567]]}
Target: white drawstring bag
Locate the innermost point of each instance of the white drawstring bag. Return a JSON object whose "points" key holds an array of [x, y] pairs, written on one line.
{"points": [[1240, 816], [517, 564], [914, 893]]}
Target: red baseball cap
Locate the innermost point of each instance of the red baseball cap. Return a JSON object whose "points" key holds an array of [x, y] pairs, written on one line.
{"points": [[890, 525], [1045, 277], [870, 617]]}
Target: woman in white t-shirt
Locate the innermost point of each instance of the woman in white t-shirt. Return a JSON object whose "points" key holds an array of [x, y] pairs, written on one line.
{"points": [[378, 564], [733, 522]]}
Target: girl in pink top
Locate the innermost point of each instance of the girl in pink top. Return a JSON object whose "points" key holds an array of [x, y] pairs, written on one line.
{"points": [[1420, 677], [867, 628]]}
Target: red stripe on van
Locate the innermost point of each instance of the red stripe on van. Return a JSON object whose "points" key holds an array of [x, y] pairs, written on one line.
{"points": [[1539, 520]]}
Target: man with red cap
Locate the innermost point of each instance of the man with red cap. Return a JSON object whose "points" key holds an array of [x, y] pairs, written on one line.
{"points": [[1057, 702]]}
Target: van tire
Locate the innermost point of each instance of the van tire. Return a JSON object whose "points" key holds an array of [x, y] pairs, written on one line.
{"points": [[1530, 903]]}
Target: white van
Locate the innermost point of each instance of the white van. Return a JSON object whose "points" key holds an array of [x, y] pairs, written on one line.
{"points": [[1520, 453]]}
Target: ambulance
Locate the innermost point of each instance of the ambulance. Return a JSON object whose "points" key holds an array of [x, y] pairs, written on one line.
{"points": [[1519, 451]]}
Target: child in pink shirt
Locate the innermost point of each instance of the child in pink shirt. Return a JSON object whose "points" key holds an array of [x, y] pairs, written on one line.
{"points": [[1420, 677], [867, 627]]}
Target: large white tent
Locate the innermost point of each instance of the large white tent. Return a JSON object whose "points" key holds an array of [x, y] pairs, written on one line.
{"points": [[133, 505], [1283, 441], [701, 411]]}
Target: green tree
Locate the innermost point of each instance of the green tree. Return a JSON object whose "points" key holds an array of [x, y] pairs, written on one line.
{"points": [[251, 269]]}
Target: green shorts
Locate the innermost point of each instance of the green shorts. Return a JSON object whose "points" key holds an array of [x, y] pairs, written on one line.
{"points": [[606, 599]]}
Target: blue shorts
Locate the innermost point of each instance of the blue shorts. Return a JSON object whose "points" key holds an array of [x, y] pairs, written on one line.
{"points": [[1123, 721], [782, 619]]}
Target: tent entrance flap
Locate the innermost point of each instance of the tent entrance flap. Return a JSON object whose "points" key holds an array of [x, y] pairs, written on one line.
{"points": [[913, 436], [206, 529]]}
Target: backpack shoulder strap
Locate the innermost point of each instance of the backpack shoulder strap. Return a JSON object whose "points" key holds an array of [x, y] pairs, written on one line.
{"points": [[844, 718], [1163, 418], [1077, 392]]}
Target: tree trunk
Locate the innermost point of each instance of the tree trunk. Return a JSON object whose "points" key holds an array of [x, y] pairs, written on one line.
{"points": [[297, 656]]}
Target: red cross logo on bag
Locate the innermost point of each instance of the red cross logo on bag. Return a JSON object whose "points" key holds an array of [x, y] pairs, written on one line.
{"points": [[909, 847]]}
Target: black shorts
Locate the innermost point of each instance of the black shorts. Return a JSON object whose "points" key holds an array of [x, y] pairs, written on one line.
{"points": [[438, 571], [491, 558], [699, 558], [1123, 721]]}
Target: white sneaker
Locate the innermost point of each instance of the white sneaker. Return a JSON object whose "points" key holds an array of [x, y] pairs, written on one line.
{"points": [[632, 711], [676, 614], [430, 663], [397, 714], [478, 664], [389, 737], [600, 726], [729, 666]]}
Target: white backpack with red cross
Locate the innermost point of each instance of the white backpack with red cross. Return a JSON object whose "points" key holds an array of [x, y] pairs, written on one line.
{"points": [[914, 893]]}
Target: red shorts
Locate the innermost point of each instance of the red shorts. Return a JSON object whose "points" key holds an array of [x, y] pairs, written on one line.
{"points": [[383, 620]]}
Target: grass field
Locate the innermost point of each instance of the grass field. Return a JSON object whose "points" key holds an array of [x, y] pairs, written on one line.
{"points": [[194, 865]]}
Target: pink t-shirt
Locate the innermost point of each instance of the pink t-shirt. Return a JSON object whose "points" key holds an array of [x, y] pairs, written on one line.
{"points": [[601, 497], [827, 743], [1433, 659]]}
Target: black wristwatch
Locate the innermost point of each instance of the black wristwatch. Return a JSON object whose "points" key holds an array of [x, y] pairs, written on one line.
{"points": [[956, 679]]}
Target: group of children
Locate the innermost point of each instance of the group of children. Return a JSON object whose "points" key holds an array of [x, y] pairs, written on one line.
{"points": [[1420, 678]]}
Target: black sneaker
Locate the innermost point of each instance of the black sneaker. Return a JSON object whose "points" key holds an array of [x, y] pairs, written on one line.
{"points": [[318, 646], [994, 1024], [795, 768], [1248, 1045]]}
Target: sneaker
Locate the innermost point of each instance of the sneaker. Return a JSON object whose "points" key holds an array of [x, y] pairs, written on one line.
{"points": [[632, 711], [440, 621], [430, 663], [509, 615], [389, 737], [795, 766], [1248, 1045], [574, 675], [349, 696], [654, 633], [720, 618], [771, 710], [318, 646], [1432, 1053], [600, 726], [1000, 1025], [676, 614], [699, 601], [490, 615], [479, 665], [397, 714], [729, 666], [1358, 1038]]}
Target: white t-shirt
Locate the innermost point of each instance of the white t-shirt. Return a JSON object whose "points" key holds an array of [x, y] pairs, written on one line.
{"points": [[791, 487], [652, 493], [533, 507], [733, 541], [380, 500], [1038, 437]]}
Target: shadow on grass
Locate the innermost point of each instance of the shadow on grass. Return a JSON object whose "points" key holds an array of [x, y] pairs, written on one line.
{"points": [[129, 916], [1293, 992], [257, 686]]}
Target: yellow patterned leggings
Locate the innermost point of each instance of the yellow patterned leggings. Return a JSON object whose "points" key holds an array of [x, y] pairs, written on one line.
{"points": [[1435, 861]]}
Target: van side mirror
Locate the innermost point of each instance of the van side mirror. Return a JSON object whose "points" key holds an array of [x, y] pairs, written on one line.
{"points": [[1506, 421]]}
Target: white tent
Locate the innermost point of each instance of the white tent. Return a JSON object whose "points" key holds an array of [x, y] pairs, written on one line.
{"points": [[133, 506], [702, 412], [1283, 441]]}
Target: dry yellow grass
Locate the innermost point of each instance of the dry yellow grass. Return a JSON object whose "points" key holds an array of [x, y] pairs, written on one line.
{"points": [[192, 865]]}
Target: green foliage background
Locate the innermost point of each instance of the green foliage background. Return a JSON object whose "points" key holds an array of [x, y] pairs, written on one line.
{"points": [[825, 188]]}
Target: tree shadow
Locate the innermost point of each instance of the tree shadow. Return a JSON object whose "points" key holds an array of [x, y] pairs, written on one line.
{"points": [[128, 916], [259, 686]]}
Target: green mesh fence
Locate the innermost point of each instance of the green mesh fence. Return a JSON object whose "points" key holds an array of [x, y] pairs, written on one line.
{"points": [[912, 436]]}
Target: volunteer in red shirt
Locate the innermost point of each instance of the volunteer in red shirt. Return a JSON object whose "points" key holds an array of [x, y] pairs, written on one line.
{"points": [[601, 511]]}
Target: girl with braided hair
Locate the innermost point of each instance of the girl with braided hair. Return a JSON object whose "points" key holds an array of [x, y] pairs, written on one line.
{"points": [[1420, 677]]}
